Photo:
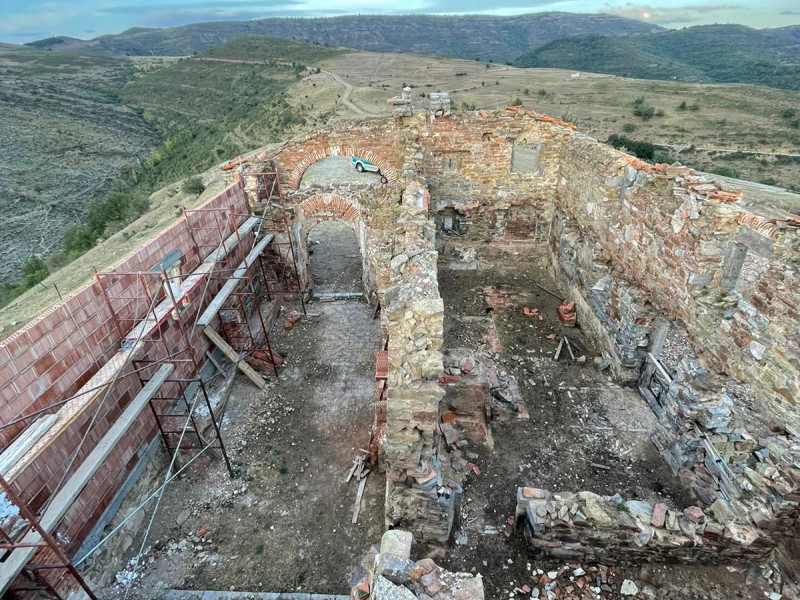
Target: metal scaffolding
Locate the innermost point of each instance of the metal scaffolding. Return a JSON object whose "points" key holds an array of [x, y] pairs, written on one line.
{"points": [[166, 363], [279, 266]]}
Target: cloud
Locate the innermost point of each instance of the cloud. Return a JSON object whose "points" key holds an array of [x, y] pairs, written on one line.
{"points": [[231, 5], [175, 18], [479, 6], [671, 15]]}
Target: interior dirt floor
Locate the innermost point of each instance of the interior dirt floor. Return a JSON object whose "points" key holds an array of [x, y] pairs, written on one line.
{"points": [[584, 432], [283, 524], [335, 260]]}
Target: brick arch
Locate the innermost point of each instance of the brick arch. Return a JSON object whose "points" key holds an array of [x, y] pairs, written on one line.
{"points": [[309, 158], [330, 207]]}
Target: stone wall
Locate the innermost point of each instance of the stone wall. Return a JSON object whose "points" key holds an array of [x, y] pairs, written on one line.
{"points": [[468, 165], [417, 497], [587, 527], [647, 251]]}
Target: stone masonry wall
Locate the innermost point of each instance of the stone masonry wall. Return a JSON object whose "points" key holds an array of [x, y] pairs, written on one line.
{"points": [[587, 527], [416, 495], [644, 249], [468, 165]]}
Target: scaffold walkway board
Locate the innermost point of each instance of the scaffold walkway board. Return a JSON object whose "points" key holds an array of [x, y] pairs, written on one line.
{"points": [[67, 495], [230, 286]]}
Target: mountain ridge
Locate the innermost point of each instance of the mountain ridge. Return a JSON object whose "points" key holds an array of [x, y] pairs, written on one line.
{"points": [[701, 54], [488, 37]]}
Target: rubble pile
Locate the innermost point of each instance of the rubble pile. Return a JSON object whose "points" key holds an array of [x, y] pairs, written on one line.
{"points": [[395, 576]]}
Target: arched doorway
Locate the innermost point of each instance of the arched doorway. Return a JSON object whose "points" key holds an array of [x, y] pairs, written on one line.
{"points": [[335, 263]]}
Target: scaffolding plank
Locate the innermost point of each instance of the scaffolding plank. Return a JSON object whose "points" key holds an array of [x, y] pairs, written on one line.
{"points": [[233, 357], [230, 286], [67, 495], [24, 442]]}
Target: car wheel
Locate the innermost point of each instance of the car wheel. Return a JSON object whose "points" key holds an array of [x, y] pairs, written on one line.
{"points": [[359, 167], [383, 179]]}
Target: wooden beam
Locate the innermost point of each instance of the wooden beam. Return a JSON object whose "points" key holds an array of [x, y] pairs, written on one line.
{"points": [[359, 495], [234, 357], [233, 282], [67, 495]]}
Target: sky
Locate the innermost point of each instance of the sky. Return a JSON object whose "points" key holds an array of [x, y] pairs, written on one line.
{"points": [[35, 19]]}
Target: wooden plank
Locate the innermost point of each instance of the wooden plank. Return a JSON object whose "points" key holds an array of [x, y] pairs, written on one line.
{"points": [[67, 495], [234, 358], [360, 493], [25, 442], [569, 347], [558, 350], [233, 282], [352, 469]]}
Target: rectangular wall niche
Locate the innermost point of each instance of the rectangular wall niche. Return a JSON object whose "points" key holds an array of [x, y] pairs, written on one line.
{"points": [[527, 158]]}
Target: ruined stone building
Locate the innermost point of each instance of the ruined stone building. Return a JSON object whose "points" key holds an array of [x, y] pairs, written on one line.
{"points": [[652, 279]]}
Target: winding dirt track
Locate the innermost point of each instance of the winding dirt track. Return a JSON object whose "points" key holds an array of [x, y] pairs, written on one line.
{"points": [[346, 96]]}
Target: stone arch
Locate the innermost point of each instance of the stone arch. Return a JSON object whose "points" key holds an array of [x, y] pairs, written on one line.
{"points": [[309, 158]]}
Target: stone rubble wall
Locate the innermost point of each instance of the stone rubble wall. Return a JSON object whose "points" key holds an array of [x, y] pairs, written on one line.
{"points": [[588, 527], [394, 576], [636, 244], [467, 164], [417, 496]]}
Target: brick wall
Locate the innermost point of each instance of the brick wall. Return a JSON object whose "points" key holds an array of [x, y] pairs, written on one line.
{"points": [[54, 356]]}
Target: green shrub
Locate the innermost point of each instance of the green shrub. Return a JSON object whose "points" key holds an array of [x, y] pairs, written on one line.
{"points": [[644, 111], [643, 150], [789, 113], [193, 186], [629, 128], [682, 105], [726, 171], [542, 92]]}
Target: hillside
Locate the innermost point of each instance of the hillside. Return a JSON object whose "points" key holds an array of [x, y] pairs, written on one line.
{"points": [[220, 103], [63, 136], [710, 53], [488, 37]]}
